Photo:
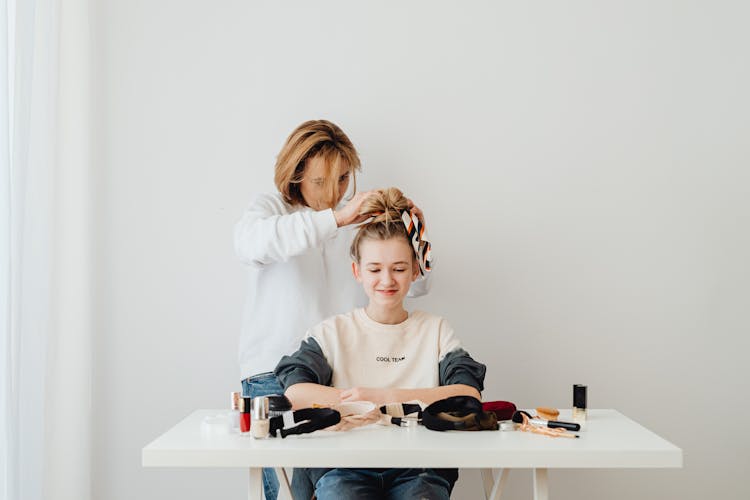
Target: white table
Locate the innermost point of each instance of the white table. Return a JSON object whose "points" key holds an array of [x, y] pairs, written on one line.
{"points": [[609, 441]]}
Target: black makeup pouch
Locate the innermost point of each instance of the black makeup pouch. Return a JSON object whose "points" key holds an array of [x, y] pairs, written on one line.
{"points": [[459, 413]]}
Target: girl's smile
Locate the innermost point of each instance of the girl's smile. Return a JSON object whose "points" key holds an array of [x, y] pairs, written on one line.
{"points": [[386, 270]]}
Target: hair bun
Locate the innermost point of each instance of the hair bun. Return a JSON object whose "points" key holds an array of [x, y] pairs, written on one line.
{"points": [[385, 205]]}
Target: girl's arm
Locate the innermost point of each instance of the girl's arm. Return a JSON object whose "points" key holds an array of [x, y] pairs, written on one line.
{"points": [[459, 373], [306, 395], [306, 377], [427, 396]]}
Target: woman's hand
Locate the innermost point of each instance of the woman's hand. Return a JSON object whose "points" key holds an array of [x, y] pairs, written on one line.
{"points": [[349, 214], [377, 396], [417, 211]]}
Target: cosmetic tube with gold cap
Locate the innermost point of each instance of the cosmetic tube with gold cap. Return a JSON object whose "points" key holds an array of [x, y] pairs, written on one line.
{"points": [[234, 413], [579, 404]]}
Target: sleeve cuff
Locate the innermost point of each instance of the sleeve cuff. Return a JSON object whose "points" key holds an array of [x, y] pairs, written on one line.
{"points": [[325, 221], [296, 377], [458, 367]]}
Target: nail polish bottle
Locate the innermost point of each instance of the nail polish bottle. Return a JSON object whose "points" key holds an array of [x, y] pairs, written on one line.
{"points": [[261, 425], [579, 404], [245, 415]]}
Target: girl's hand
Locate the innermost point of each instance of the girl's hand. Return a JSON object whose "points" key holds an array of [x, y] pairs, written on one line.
{"points": [[349, 214], [377, 396]]}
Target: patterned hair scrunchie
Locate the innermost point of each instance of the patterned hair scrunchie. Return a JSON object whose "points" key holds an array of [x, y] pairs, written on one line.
{"points": [[417, 233]]}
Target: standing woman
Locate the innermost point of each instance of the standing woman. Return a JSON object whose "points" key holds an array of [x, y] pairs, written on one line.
{"points": [[295, 246]]}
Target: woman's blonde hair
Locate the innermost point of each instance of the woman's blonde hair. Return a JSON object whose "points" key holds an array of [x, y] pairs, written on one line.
{"points": [[315, 138], [385, 206]]}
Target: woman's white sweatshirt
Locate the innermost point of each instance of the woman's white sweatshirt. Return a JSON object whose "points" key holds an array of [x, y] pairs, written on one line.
{"points": [[299, 273]]}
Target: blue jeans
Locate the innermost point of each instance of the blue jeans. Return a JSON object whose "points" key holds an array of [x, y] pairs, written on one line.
{"points": [[263, 385], [391, 484]]}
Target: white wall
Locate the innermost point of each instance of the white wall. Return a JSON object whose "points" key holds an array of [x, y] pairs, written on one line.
{"points": [[584, 171]]}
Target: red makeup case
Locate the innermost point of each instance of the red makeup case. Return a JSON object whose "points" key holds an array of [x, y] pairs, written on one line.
{"points": [[503, 410]]}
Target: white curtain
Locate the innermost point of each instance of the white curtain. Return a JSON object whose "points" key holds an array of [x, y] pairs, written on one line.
{"points": [[45, 316]]}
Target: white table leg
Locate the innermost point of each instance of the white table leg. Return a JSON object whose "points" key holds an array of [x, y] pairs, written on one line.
{"points": [[493, 486], [255, 484], [285, 492], [541, 484], [488, 481]]}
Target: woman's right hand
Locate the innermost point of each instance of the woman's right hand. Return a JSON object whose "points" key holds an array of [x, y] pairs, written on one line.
{"points": [[349, 213]]}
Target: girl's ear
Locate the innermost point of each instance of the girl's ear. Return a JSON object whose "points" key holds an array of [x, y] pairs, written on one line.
{"points": [[355, 272]]}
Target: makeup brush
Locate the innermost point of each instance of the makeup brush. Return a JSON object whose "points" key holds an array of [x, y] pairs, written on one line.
{"points": [[552, 424]]}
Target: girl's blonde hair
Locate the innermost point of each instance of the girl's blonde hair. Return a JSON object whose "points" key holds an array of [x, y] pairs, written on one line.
{"points": [[385, 206], [315, 138]]}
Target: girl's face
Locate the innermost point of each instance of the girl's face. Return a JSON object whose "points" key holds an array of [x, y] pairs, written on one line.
{"points": [[386, 270], [316, 184]]}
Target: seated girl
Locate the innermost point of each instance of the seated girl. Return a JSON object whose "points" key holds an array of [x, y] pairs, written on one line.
{"points": [[381, 353]]}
